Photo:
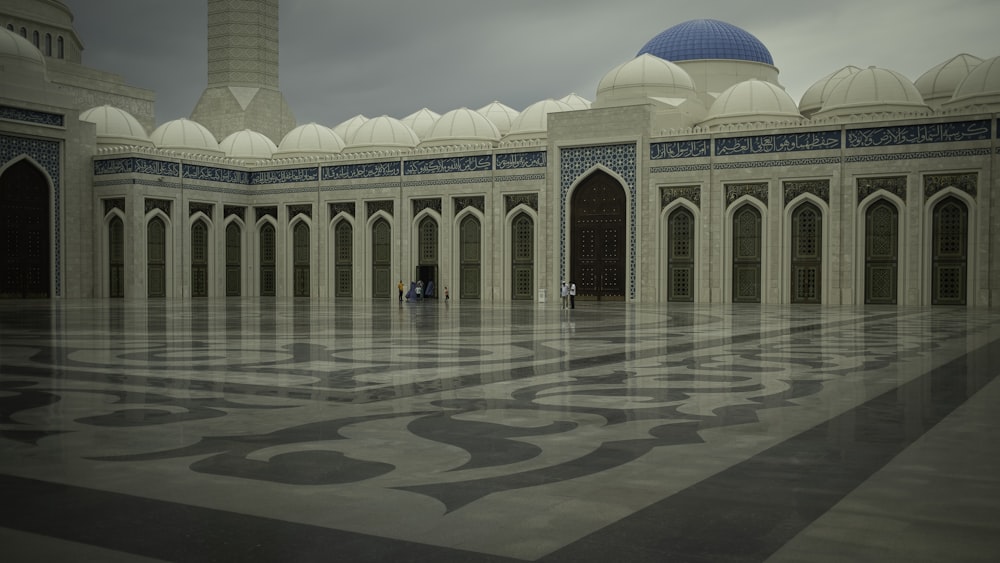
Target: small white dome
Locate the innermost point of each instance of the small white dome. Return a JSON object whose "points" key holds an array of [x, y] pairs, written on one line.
{"points": [[248, 144], [309, 139], [116, 126], [575, 101], [17, 54], [185, 135], [981, 86], [752, 101], [500, 115], [641, 78], [460, 126], [421, 121], [873, 90], [346, 129], [812, 100], [533, 121], [382, 133], [939, 83]]}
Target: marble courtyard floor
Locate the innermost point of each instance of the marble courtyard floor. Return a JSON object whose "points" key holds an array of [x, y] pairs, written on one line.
{"points": [[297, 430]]}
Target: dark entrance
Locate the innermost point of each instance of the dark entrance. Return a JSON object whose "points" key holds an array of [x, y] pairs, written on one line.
{"points": [[746, 255], [24, 232], [807, 254], [597, 235], [949, 252], [881, 243]]}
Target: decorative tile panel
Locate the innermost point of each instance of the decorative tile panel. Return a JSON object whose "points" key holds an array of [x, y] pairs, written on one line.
{"points": [[933, 183], [513, 200], [574, 161], [300, 209], [374, 207], [818, 188], [680, 168], [48, 155], [161, 204], [895, 185], [114, 203], [756, 190], [785, 142], [478, 163], [670, 193], [267, 211], [359, 171], [196, 207], [679, 149], [284, 176], [237, 210], [977, 130], [511, 161], [31, 116], [477, 202], [342, 207], [427, 203], [519, 178]]}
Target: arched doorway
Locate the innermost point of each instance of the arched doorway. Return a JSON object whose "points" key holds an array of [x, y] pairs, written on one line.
{"points": [[267, 261], [680, 255], [116, 257], [522, 259], [427, 252], [747, 251], [949, 252], [156, 258], [199, 259], [470, 258], [234, 254], [381, 259], [343, 274], [24, 232], [300, 259], [807, 254], [597, 235], [881, 253]]}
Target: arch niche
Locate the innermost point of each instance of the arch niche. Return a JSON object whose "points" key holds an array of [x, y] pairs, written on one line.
{"points": [[25, 243], [597, 238]]}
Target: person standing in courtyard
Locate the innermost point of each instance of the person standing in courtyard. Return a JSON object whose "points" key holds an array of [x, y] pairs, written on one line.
{"points": [[564, 294], [400, 288], [572, 294]]}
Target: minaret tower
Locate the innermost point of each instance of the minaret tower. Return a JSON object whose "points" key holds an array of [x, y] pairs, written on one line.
{"points": [[242, 90]]}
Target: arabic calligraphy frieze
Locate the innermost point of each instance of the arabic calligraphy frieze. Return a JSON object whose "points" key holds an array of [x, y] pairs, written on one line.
{"points": [[477, 202], [48, 155], [818, 188], [679, 149], [113, 166], [513, 200], [359, 171], [267, 211], [345, 207], [285, 176], [161, 204], [237, 210], [426, 203], [785, 142], [511, 161], [114, 203], [977, 130], [933, 183], [215, 174], [195, 207], [31, 116], [896, 185], [917, 155], [690, 193], [757, 190], [449, 165], [381, 205]]}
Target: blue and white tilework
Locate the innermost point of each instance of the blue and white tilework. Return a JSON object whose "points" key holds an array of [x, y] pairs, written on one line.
{"points": [[477, 163], [977, 130], [31, 116]]}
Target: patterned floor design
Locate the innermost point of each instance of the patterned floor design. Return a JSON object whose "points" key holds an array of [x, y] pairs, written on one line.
{"points": [[295, 430]]}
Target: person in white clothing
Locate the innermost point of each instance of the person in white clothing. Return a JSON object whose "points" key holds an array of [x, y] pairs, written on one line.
{"points": [[572, 294], [564, 293]]}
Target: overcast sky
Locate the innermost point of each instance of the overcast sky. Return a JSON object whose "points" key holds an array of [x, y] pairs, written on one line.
{"points": [[394, 57]]}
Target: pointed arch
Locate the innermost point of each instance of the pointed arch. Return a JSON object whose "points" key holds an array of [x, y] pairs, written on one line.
{"points": [[807, 256], [26, 253], [114, 244], [426, 252], [520, 252], [745, 243], [158, 255], [235, 256], [679, 258], [598, 233], [266, 271], [468, 242], [379, 257], [342, 253], [949, 248], [880, 219], [200, 252]]}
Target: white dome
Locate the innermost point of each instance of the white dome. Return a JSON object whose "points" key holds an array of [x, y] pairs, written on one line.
{"points": [[752, 101], [185, 135], [812, 100], [939, 83], [644, 77], [575, 101], [309, 139], [981, 86], [421, 121], [346, 129], [17, 54], [533, 121], [382, 133], [116, 126], [460, 126], [248, 144], [500, 115], [873, 90]]}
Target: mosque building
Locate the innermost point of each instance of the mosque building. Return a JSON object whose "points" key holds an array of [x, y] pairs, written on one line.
{"points": [[692, 176]]}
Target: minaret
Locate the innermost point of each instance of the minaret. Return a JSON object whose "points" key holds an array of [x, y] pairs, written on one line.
{"points": [[242, 90]]}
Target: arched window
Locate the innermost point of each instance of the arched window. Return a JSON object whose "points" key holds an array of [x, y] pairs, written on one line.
{"points": [[25, 225], [35, 39], [48, 44], [10, 27], [61, 46], [24, 32]]}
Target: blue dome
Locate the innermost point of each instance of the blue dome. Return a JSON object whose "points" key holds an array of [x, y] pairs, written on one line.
{"points": [[707, 39]]}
